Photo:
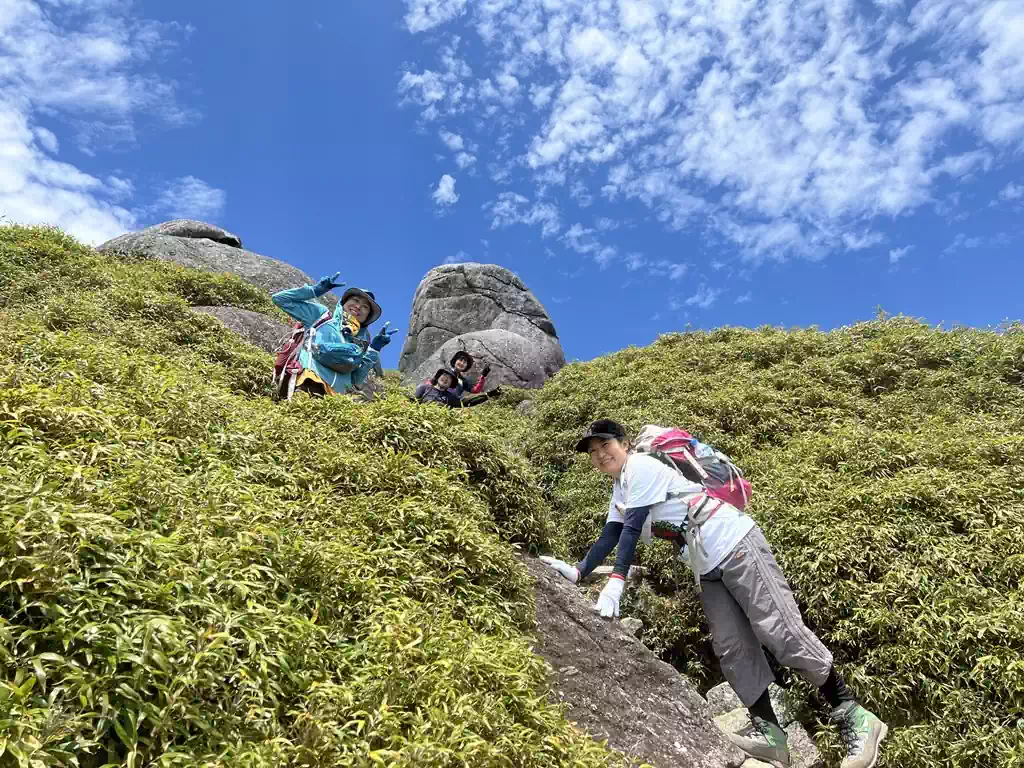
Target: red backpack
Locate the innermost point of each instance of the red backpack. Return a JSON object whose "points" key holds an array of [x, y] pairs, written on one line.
{"points": [[698, 462], [286, 360]]}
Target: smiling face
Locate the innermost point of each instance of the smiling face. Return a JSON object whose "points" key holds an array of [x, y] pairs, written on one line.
{"points": [[461, 364], [358, 307], [607, 456], [444, 381]]}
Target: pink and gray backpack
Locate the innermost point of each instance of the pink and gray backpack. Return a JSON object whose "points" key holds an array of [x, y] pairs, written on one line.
{"points": [[698, 462]]}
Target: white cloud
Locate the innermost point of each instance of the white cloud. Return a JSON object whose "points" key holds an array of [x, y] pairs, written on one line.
{"points": [[579, 192], [1012, 192], [190, 198], [897, 254], [83, 67], [457, 258], [635, 261], [444, 194], [464, 160], [703, 298], [963, 242], [453, 141], [512, 208], [745, 298], [427, 14], [605, 224], [783, 127]]}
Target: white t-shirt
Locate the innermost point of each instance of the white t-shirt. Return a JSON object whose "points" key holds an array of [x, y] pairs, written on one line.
{"points": [[645, 481]]}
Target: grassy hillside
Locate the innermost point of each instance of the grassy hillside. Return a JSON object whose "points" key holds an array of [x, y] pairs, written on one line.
{"points": [[191, 574], [887, 460]]}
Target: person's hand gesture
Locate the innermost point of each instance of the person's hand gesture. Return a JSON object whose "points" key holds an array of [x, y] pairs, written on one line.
{"points": [[383, 337], [328, 284], [485, 371]]}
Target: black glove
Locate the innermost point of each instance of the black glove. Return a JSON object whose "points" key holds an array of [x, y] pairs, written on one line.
{"points": [[485, 371]]}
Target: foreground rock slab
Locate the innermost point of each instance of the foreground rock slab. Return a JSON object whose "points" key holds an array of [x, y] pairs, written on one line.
{"points": [[616, 689]]}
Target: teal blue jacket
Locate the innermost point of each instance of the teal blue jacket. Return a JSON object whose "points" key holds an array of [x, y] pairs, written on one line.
{"points": [[299, 303]]}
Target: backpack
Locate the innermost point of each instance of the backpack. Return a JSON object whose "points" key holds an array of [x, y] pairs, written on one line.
{"points": [[338, 357], [722, 480], [698, 462]]}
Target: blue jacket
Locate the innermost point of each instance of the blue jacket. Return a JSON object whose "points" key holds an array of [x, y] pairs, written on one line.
{"points": [[299, 303]]}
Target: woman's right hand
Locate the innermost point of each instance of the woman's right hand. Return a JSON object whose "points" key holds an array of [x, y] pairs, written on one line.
{"points": [[569, 572]]}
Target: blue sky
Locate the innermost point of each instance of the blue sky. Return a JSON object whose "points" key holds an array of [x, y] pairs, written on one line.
{"points": [[641, 164]]}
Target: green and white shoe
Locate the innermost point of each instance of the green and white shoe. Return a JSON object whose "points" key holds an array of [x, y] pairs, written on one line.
{"points": [[763, 740], [861, 732]]}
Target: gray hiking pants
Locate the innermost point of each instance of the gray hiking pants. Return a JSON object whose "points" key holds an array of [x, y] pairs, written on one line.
{"points": [[748, 603]]}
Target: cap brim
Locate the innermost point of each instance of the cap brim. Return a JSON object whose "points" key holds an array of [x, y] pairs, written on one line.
{"points": [[581, 446], [375, 310]]}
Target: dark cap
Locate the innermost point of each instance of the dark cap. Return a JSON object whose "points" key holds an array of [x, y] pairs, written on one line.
{"points": [[605, 429], [463, 353], [442, 371]]}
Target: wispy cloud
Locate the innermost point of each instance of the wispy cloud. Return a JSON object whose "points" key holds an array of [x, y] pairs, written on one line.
{"points": [[457, 258], [444, 194], [703, 298], [512, 208], [190, 198], [778, 127], [969, 243], [745, 298], [1012, 192], [88, 67], [896, 254]]}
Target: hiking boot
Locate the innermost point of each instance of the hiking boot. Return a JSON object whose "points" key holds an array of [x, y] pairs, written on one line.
{"points": [[861, 732], [763, 740]]}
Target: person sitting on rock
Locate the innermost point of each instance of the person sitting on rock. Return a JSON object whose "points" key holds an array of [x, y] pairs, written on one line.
{"points": [[745, 596], [335, 353], [461, 362], [439, 389]]}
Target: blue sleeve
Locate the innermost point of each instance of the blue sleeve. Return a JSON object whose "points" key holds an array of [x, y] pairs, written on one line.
{"points": [[635, 517], [600, 549], [362, 373], [299, 304]]}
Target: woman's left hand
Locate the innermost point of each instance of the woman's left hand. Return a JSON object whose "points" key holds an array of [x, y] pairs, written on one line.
{"points": [[383, 337], [608, 601]]}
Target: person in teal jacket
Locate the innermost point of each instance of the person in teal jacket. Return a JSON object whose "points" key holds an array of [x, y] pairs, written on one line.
{"points": [[337, 352]]}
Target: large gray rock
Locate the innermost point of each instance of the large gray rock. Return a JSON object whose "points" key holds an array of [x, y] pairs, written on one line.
{"points": [[616, 689], [459, 299], [255, 327], [514, 361], [205, 246]]}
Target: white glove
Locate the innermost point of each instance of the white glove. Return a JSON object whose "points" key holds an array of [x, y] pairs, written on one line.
{"points": [[608, 602], [568, 571]]}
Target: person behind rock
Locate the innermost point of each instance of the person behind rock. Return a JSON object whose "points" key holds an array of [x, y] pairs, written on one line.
{"points": [[744, 594], [341, 354], [439, 389], [461, 362]]}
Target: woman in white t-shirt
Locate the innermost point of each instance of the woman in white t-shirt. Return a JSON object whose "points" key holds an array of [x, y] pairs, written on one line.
{"points": [[746, 598]]}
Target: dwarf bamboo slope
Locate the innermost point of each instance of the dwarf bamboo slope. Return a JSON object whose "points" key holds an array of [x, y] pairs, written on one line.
{"points": [[887, 460], [193, 574]]}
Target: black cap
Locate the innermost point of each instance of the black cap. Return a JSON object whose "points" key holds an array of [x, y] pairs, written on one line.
{"points": [[606, 429], [375, 310], [465, 354], [438, 376]]}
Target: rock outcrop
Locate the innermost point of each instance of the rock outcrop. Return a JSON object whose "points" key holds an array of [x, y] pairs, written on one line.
{"points": [[514, 360], [616, 689], [205, 246], [459, 301], [255, 327]]}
